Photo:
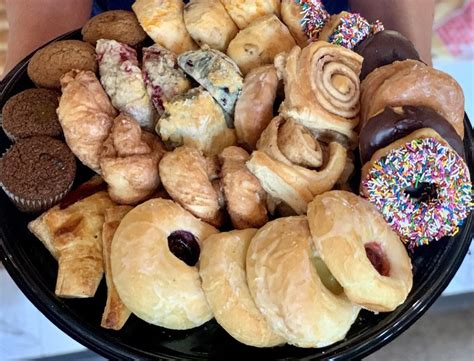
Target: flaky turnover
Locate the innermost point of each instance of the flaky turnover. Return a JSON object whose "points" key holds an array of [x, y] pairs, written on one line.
{"points": [[290, 164], [86, 116], [322, 88], [163, 21], [243, 12], [129, 161]]}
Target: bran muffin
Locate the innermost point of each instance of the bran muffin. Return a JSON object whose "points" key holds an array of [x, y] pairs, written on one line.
{"points": [[37, 173], [119, 25], [49, 63], [32, 112]]}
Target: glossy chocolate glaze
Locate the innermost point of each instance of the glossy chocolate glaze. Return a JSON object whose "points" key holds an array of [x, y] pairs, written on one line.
{"points": [[395, 123], [384, 48]]}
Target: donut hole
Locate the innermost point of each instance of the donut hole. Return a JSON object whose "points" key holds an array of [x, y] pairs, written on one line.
{"points": [[326, 276], [184, 245], [378, 258], [422, 192]]}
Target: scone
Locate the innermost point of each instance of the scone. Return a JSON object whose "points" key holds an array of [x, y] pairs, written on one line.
{"points": [[260, 42], [56, 59], [243, 12], [195, 119], [209, 24]]}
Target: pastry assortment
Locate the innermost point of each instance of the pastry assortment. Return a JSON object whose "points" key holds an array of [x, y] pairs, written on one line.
{"points": [[223, 156]]}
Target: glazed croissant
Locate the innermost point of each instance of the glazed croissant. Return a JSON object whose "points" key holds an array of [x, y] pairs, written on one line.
{"points": [[286, 160]]}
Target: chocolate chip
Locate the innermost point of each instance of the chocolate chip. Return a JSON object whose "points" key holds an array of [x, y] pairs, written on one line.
{"points": [[184, 245]]}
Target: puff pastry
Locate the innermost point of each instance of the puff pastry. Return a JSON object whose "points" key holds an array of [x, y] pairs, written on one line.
{"points": [[163, 78], [243, 12], [115, 313], [163, 21], [410, 82], [86, 116], [285, 163], [129, 161], [195, 119], [256, 45], [245, 197], [254, 108], [217, 73], [187, 177], [73, 235], [209, 24]]}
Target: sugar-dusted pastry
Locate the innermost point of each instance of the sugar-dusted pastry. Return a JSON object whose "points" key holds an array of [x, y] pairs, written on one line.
{"points": [[129, 161], [291, 165], [123, 81], [304, 18], [245, 197], [154, 258], [209, 24], [163, 22], [259, 42], [86, 116], [360, 250], [163, 78], [194, 118], [187, 177], [243, 12], [254, 108], [224, 281], [411, 82], [293, 293], [217, 73], [73, 235], [322, 88], [115, 313]]}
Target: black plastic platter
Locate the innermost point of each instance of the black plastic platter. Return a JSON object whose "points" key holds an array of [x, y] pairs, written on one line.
{"points": [[34, 271]]}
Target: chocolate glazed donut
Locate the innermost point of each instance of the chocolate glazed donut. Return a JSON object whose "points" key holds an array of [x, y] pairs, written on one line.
{"points": [[397, 122], [384, 48]]}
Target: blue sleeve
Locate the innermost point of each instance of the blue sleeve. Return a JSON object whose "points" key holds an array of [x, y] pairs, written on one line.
{"points": [[336, 6]]}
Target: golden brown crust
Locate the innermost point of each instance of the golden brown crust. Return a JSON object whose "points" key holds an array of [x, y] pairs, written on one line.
{"points": [[222, 269], [50, 63], [129, 161], [410, 82], [115, 313], [255, 45], [245, 197], [288, 290], [342, 225], [244, 12], [254, 108], [86, 116], [331, 25], [291, 16], [184, 174], [74, 237]]}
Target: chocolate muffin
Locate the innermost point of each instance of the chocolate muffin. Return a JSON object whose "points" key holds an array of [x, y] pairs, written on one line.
{"points": [[37, 172], [49, 63], [32, 112], [119, 25]]}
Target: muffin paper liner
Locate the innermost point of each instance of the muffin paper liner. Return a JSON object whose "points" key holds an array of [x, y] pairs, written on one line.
{"points": [[11, 137]]}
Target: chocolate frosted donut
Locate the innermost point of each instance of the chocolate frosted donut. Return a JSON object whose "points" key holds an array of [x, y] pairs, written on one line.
{"points": [[384, 48], [395, 123]]}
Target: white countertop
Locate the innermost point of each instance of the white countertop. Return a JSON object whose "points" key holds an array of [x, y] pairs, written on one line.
{"points": [[26, 333]]}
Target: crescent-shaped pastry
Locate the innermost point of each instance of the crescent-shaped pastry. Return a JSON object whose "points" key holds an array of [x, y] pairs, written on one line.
{"points": [[129, 161], [243, 12], [260, 42], [224, 281], [163, 21], [254, 107], [410, 82], [86, 116], [187, 177], [361, 250], [159, 281], [290, 292], [245, 198], [209, 24], [322, 88], [285, 164]]}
